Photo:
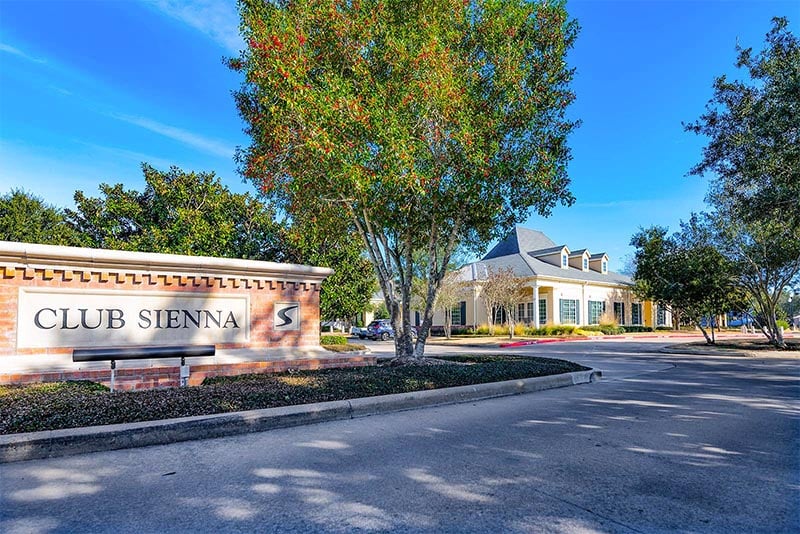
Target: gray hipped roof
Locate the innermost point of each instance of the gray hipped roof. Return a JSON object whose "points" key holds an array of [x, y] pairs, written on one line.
{"points": [[519, 251], [520, 240]]}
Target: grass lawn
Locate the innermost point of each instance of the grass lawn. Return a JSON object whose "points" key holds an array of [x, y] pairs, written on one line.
{"points": [[76, 404]]}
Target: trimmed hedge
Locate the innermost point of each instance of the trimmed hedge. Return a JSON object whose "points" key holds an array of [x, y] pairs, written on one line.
{"points": [[346, 347], [607, 329], [637, 328], [76, 404], [333, 340]]}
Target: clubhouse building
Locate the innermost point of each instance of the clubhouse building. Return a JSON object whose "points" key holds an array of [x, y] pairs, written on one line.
{"points": [[564, 286]]}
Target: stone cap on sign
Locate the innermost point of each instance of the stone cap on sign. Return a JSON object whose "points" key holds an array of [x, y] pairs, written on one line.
{"points": [[35, 256]]}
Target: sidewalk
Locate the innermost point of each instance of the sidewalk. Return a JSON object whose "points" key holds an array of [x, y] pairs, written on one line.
{"points": [[505, 342]]}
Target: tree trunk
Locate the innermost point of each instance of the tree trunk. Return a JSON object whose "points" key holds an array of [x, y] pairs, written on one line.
{"points": [[703, 330], [713, 337]]}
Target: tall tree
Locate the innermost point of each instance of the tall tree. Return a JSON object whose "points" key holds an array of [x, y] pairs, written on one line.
{"points": [[686, 273], [430, 124], [28, 219], [753, 126], [766, 259], [179, 213], [349, 289]]}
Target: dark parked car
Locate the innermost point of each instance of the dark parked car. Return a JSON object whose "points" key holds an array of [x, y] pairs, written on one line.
{"points": [[382, 329]]}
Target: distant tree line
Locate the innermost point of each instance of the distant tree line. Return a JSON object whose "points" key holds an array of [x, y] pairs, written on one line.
{"points": [[194, 214]]}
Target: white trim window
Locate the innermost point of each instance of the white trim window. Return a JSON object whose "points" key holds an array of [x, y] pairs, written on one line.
{"points": [[564, 261], [596, 309], [585, 263], [661, 316], [542, 311], [570, 311], [619, 312], [455, 315], [605, 267], [636, 313]]}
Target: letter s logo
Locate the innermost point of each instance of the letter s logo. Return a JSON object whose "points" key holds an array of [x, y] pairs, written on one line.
{"points": [[287, 316]]}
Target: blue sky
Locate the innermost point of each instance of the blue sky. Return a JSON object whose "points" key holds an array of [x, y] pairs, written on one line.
{"points": [[89, 90]]}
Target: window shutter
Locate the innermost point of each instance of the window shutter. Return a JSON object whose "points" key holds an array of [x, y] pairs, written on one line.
{"points": [[463, 312]]}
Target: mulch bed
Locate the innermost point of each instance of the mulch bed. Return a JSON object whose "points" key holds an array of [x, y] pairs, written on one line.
{"points": [[76, 404]]}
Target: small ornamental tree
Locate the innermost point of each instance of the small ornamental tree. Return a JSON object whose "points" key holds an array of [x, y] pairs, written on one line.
{"points": [[450, 294], [502, 290], [431, 125]]}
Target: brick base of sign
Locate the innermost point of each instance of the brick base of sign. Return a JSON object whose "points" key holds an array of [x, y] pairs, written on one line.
{"points": [[169, 376]]}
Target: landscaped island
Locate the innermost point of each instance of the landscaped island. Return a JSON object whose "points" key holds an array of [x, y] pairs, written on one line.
{"points": [[77, 404]]}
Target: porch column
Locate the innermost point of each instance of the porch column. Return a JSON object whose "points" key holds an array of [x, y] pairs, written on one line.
{"points": [[584, 315], [556, 307], [536, 306]]}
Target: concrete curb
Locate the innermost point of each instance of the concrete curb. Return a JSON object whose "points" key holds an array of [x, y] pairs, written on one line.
{"points": [[704, 351], [67, 442]]}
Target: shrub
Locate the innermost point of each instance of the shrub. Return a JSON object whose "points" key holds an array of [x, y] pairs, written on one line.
{"points": [[519, 329], [501, 330], [66, 405], [607, 318], [782, 324], [347, 347], [664, 328], [333, 340], [638, 328]]}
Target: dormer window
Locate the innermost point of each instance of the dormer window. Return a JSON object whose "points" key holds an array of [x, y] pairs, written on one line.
{"points": [[605, 267], [585, 264], [564, 261]]}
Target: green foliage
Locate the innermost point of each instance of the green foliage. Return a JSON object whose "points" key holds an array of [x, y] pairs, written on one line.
{"points": [[28, 219], [381, 312], [561, 330], [754, 140], [754, 154], [68, 405], [686, 271], [780, 323], [347, 292], [333, 340], [430, 125], [607, 329], [178, 213], [637, 328], [347, 347]]}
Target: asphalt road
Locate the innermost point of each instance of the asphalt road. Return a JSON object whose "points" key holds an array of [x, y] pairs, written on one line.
{"points": [[665, 443]]}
